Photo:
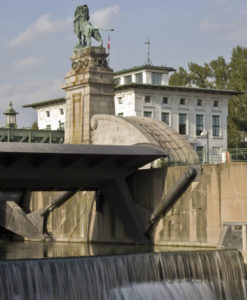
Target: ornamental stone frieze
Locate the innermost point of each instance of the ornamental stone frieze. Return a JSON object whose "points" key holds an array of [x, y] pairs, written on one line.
{"points": [[84, 63]]}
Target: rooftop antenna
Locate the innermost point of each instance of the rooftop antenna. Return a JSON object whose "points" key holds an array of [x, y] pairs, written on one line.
{"points": [[148, 52]]}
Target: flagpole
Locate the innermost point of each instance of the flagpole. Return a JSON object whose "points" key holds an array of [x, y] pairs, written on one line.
{"points": [[108, 48], [148, 52]]}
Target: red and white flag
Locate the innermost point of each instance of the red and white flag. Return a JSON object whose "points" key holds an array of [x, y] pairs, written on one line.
{"points": [[108, 44]]}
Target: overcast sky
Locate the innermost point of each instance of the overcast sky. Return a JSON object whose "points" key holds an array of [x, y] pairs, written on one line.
{"points": [[37, 38]]}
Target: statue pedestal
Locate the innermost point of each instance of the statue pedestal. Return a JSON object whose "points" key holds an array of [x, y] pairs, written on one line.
{"points": [[89, 88]]}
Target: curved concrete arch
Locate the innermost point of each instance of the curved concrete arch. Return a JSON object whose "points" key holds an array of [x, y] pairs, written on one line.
{"points": [[114, 130]]}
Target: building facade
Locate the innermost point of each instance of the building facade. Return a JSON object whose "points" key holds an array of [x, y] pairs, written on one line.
{"points": [[200, 115], [51, 114]]}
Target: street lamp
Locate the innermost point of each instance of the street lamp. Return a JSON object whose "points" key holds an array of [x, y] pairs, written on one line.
{"points": [[11, 117], [205, 134]]}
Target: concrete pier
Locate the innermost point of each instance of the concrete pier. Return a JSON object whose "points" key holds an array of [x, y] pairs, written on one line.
{"points": [[195, 220]]}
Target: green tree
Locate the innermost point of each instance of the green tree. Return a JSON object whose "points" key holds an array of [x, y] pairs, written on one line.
{"points": [[238, 69], [180, 78], [222, 75], [35, 126], [237, 118], [200, 75], [219, 73]]}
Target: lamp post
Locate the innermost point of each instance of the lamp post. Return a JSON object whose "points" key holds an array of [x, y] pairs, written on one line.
{"points": [[205, 134], [11, 117]]}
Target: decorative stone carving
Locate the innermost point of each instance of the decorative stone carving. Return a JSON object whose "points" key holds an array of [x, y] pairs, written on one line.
{"points": [[99, 61]]}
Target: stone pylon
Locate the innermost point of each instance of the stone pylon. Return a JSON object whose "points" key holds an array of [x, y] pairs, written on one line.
{"points": [[89, 88]]}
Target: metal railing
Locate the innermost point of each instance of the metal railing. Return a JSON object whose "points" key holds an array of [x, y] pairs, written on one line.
{"points": [[225, 155], [208, 157], [31, 136], [238, 154]]}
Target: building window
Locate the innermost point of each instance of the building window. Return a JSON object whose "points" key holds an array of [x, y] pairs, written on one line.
{"points": [[156, 78], [216, 125], [117, 80], [182, 101], [120, 100], [48, 127], [47, 113], [165, 100], [200, 150], [165, 117], [148, 114], [61, 111], [139, 78], [216, 150], [182, 124], [199, 124], [199, 102], [216, 103], [120, 114], [127, 79], [147, 99], [61, 125]]}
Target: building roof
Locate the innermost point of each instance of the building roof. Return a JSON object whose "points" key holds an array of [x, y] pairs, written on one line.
{"points": [[45, 103], [176, 88], [150, 67]]}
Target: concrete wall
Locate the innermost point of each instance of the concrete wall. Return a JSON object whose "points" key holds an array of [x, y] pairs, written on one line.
{"points": [[113, 130], [195, 219]]}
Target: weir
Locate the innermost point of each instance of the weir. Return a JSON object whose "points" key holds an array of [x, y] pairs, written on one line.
{"points": [[99, 166], [205, 275]]}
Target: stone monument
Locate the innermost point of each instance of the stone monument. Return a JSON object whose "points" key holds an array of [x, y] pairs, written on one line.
{"points": [[90, 113], [89, 85]]}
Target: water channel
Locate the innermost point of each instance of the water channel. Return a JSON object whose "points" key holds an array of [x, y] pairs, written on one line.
{"points": [[94, 271]]}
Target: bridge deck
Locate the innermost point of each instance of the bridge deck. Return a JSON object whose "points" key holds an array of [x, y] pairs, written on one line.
{"points": [[69, 167]]}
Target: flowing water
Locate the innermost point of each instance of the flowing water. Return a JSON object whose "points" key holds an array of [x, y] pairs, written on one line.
{"points": [[196, 275], [173, 290]]}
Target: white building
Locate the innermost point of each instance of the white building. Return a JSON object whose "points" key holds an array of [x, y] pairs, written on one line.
{"points": [[200, 115], [51, 113], [146, 74]]}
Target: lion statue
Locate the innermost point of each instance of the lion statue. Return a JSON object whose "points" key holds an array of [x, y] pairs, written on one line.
{"points": [[84, 30]]}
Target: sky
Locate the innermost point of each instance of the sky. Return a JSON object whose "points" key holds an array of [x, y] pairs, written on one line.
{"points": [[37, 39]]}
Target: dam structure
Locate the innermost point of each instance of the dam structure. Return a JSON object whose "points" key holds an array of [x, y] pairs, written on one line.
{"points": [[100, 153], [102, 186], [176, 275]]}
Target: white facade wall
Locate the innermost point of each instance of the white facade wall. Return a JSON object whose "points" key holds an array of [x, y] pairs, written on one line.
{"points": [[125, 104], [51, 116], [132, 103], [146, 77], [174, 108]]}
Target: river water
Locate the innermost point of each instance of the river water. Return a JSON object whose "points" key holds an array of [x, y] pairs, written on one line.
{"points": [[85, 272], [23, 250]]}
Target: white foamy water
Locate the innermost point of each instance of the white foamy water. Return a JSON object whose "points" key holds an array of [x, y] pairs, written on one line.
{"points": [[174, 290], [196, 275]]}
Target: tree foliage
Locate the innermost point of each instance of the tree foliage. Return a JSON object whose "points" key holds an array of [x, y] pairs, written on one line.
{"points": [[200, 75], [180, 78], [35, 126], [219, 74]]}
